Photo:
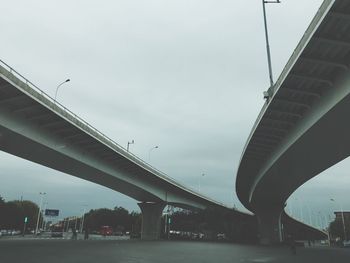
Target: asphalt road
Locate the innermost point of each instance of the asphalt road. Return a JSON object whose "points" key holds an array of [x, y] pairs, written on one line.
{"points": [[68, 236], [134, 251]]}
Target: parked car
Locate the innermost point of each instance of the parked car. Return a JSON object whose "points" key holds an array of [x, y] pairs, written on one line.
{"points": [[15, 232], [346, 243]]}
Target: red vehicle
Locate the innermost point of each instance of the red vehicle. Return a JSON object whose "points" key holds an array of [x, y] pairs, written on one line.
{"points": [[57, 231], [106, 230]]}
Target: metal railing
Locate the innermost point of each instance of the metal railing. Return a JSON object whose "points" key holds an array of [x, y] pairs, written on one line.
{"points": [[43, 98]]}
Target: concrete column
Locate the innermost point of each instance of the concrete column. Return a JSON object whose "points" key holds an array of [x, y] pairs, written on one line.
{"points": [[151, 220], [270, 227]]}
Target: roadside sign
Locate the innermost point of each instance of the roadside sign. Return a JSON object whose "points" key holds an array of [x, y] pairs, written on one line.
{"points": [[52, 212]]}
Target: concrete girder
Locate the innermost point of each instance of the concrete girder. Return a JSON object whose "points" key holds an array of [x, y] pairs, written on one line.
{"points": [[63, 129], [39, 116], [312, 78], [333, 41], [325, 62], [52, 123], [263, 145], [298, 103], [75, 135], [264, 127], [268, 135], [259, 149], [303, 92], [26, 108], [339, 15], [279, 120], [294, 114], [11, 99], [266, 141]]}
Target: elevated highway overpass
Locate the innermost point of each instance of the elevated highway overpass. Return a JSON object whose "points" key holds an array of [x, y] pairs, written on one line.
{"points": [[303, 127], [35, 127]]}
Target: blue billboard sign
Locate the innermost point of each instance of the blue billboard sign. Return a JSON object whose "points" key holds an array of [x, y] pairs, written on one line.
{"points": [[51, 212]]}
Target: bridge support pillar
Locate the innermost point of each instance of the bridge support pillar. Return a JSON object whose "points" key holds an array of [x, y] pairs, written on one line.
{"points": [[270, 227], [151, 220]]}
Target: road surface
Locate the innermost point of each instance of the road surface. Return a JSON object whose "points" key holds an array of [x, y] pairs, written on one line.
{"points": [[135, 251]]}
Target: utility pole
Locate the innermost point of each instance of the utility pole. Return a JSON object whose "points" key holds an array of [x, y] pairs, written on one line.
{"points": [[268, 93], [39, 212]]}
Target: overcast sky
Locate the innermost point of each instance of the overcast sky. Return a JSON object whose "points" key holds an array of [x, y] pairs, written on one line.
{"points": [[186, 75]]}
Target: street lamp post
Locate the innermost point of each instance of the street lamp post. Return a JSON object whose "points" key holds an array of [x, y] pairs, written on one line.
{"points": [[82, 220], [267, 94], [67, 80], [38, 219], [127, 148], [149, 152], [342, 217], [42, 223], [76, 222]]}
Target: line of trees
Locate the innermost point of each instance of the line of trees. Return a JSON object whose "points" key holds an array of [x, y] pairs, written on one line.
{"points": [[336, 229], [120, 219], [12, 214]]}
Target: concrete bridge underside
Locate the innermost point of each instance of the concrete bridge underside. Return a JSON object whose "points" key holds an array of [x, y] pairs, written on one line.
{"points": [[302, 129]]}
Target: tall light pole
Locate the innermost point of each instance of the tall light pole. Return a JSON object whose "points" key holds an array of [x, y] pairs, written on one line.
{"points": [[67, 80], [42, 223], [342, 217], [82, 220], [76, 222], [267, 94], [199, 182], [127, 148], [41, 203], [149, 152]]}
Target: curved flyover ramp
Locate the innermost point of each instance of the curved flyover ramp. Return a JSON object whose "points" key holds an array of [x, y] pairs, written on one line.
{"points": [[303, 127]]}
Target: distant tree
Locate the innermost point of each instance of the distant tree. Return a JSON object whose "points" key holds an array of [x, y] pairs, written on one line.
{"points": [[13, 213], [29, 210], [135, 221], [2, 212], [337, 229], [119, 219], [11, 216], [122, 218], [2, 200]]}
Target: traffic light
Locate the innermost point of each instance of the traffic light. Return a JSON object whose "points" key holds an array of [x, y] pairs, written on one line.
{"points": [[26, 219]]}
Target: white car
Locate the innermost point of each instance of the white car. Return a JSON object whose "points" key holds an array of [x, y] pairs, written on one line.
{"points": [[346, 243]]}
